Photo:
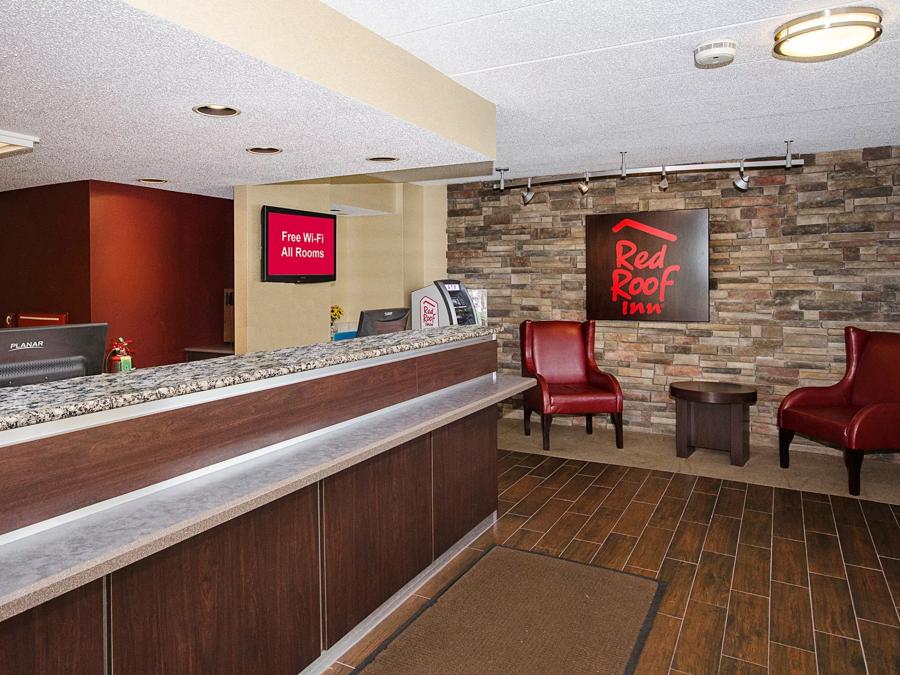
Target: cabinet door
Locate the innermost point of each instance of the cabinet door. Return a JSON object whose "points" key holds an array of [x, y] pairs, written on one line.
{"points": [[465, 476], [376, 532], [242, 597], [60, 637]]}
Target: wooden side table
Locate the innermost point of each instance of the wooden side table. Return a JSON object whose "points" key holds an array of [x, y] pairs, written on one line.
{"points": [[713, 415]]}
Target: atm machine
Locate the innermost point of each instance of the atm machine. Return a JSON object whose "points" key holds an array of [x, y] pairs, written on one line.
{"points": [[446, 302]]}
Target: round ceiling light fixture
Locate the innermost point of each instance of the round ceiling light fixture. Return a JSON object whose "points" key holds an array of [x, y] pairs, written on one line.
{"points": [[264, 150], [216, 110], [827, 34], [152, 181], [382, 158]]}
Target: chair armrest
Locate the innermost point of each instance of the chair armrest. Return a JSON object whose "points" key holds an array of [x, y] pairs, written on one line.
{"points": [[874, 427], [542, 387], [833, 395], [601, 380]]}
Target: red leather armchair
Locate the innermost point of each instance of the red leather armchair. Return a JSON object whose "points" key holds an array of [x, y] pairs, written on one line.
{"points": [[560, 356], [860, 414]]}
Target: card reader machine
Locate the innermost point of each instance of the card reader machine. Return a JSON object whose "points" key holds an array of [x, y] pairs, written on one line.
{"points": [[446, 302]]}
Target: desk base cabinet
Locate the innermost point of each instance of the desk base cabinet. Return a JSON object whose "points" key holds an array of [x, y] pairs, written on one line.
{"points": [[376, 532], [465, 476], [268, 591], [62, 636], [242, 597]]}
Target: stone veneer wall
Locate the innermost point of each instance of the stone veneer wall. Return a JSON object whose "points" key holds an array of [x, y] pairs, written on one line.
{"points": [[793, 260]]}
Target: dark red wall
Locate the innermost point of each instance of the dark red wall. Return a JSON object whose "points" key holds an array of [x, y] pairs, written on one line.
{"points": [[160, 262], [45, 250]]}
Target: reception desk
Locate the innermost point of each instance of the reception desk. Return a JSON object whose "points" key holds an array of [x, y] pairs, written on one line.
{"points": [[250, 514]]}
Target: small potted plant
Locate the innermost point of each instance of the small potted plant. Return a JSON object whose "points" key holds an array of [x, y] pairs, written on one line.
{"points": [[336, 313]]}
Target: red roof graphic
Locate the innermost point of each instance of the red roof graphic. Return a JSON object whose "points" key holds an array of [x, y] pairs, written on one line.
{"points": [[656, 232]]}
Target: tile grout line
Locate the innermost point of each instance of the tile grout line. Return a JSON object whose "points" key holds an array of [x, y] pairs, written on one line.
{"points": [[880, 564], [737, 550], [693, 579], [644, 528], [849, 590], [562, 515], [553, 496], [812, 616], [600, 505]]}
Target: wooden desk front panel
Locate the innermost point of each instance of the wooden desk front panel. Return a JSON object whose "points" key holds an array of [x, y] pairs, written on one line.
{"points": [[465, 476], [60, 637], [242, 597], [376, 532]]}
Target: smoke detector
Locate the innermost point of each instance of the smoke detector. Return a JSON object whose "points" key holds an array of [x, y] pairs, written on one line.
{"points": [[715, 53]]}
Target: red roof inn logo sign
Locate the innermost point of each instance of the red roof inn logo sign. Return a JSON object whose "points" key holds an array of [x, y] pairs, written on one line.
{"points": [[649, 266]]}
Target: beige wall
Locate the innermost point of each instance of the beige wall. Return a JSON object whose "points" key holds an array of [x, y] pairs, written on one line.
{"points": [[381, 258], [434, 226], [425, 234]]}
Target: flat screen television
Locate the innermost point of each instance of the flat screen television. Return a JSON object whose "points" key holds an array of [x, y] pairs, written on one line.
{"points": [[298, 247], [49, 353]]}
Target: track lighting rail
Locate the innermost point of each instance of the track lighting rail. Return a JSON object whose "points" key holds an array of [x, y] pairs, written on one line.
{"points": [[649, 170]]}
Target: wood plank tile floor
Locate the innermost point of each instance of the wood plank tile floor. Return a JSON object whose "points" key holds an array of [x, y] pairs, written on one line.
{"points": [[760, 579]]}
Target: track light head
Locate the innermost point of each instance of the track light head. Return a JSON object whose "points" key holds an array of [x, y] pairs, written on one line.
{"points": [[623, 173], [664, 182], [527, 194], [742, 182], [502, 185], [788, 160], [584, 186]]}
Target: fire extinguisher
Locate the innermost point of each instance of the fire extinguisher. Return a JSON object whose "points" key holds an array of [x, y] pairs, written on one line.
{"points": [[119, 359]]}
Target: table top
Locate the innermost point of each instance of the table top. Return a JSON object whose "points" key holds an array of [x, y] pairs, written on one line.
{"points": [[714, 392]]}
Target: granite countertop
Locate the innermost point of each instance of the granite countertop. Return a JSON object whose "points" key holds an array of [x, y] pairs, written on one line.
{"points": [[38, 403]]}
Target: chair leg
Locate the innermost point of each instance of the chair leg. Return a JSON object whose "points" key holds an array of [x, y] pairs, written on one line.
{"points": [[589, 423], [617, 423], [785, 436], [527, 418], [546, 421], [853, 460]]}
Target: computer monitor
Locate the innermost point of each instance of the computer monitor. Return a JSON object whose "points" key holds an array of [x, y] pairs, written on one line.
{"points": [[378, 321], [48, 353]]}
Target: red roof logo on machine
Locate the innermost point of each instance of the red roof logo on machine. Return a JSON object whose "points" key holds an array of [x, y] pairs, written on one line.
{"points": [[429, 313]]}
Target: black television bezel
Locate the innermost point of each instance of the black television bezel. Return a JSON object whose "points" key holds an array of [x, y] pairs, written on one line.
{"points": [[294, 278]]}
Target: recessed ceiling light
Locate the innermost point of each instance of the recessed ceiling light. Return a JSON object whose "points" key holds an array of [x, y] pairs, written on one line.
{"points": [[216, 110], [152, 181], [827, 34], [264, 150], [384, 158]]}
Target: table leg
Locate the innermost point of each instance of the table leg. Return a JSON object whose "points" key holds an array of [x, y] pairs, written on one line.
{"points": [[683, 425], [740, 434]]}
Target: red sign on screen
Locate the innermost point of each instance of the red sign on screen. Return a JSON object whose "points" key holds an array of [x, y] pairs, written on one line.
{"points": [[298, 246]]}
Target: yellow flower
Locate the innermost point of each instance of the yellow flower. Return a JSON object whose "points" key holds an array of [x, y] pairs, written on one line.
{"points": [[336, 312]]}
